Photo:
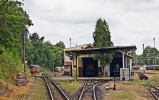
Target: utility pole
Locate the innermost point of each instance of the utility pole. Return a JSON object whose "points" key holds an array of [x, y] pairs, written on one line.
{"points": [[154, 54], [154, 41], [143, 48], [70, 42], [143, 54]]}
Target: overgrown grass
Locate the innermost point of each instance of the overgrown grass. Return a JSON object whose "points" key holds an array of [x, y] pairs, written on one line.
{"points": [[68, 85], [124, 96], [152, 71], [44, 69], [139, 82], [40, 91]]}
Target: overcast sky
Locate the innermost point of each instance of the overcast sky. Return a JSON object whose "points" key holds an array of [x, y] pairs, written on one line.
{"points": [[131, 22]]}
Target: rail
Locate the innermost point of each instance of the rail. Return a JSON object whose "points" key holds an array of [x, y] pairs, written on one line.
{"points": [[49, 89], [59, 89], [83, 89], [150, 88], [86, 88], [46, 79]]}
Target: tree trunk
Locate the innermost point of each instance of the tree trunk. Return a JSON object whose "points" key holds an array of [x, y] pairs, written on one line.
{"points": [[104, 71]]}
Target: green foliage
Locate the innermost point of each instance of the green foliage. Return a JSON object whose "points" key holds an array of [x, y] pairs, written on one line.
{"points": [[8, 65], [12, 21], [102, 38], [60, 47], [149, 57], [43, 53], [1, 50], [34, 48]]}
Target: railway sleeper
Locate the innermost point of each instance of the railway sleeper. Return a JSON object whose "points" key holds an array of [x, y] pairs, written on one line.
{"points": [[21, 82]]}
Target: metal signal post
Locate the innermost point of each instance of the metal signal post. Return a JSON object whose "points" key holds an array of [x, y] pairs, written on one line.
{"points": [[24, 36]]}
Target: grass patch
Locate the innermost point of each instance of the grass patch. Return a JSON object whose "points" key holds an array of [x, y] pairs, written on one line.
{"points": [[155, 82], [152, 71], [153, 76], [40, 91], [139, 82], [69, 85], [123, 95]]}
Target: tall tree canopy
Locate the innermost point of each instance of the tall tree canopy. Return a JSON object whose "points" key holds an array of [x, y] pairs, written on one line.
{"points": [[60, 47], [102, 38], [43, 53], [13, 19], [150, 56]]}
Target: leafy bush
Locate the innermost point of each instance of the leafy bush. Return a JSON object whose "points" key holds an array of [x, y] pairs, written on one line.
{"points": [[8, 65]]}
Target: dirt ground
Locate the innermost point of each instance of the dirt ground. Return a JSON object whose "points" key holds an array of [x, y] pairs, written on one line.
{"points": [[34, 90], [17, 92]]}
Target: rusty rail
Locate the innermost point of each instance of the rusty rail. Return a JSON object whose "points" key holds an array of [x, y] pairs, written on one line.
{"points": [[49, 89], [45, 76], [85, 88], [150, 90], [59, 89]]}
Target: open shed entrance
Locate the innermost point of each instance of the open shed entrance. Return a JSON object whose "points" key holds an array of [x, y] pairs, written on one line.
{"points": [[115, 67], [90, 67]]}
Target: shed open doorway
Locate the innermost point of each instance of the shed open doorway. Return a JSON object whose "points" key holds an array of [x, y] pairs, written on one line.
{"points": [[115, 67], [90, 67]]}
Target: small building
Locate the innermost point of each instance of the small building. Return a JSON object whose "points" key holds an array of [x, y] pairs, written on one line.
{"points": [[79, 60]]}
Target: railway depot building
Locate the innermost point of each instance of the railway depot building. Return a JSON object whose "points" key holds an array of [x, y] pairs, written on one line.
{"points": [[79, 61]]}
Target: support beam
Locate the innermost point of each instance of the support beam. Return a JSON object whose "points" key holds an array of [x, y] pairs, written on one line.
{"points": [[123, 59], [130, 66], [126, 60], [72, 67], [77, 65]]}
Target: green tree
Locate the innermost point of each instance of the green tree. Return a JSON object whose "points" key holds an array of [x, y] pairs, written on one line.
{"points": [[61, 46], [34, 49], [49, 55], [102, 38], [43, 53], [150, 55], [12, 21]]}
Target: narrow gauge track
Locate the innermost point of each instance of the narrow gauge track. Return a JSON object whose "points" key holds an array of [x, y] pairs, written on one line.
{"points": [[89, 90], [52, 87], [154, 90]]}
